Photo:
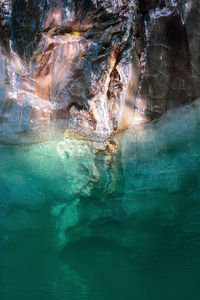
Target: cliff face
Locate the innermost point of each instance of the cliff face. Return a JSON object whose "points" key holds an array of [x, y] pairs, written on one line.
{"points": [[172, 63], [95, 66]]}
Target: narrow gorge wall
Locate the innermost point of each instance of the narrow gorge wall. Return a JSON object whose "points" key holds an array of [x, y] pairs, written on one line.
{"points": [[95, 66]]}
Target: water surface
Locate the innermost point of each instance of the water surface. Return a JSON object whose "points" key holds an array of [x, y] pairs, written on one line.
{"points": [[79, 223]]}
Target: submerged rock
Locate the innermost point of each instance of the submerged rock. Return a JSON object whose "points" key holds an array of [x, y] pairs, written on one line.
{"points": [[62, 192], [94, 66]]}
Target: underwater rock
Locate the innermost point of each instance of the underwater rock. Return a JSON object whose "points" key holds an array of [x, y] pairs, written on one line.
{"points": [[67, 190], [143, 175], [90, 176], [94, 66]]}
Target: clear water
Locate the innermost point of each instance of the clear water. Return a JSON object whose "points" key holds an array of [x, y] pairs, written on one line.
{"points": [[77, 223]]}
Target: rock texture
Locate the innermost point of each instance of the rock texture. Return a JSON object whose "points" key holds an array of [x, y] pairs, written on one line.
{"points": [[95, 66], [171, 60]]}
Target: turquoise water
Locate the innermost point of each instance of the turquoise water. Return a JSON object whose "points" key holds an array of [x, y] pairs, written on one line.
{"points": [[78, 223]]}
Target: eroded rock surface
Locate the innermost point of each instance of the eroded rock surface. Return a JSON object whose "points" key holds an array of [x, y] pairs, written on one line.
{"points": [[170, 71], [94, 66], [61, 192]]}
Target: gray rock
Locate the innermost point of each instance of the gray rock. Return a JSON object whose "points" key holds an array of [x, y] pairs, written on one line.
{"points": [[96, 67]]}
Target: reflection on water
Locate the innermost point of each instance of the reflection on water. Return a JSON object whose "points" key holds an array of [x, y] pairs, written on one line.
{"points": [[77, 222]]}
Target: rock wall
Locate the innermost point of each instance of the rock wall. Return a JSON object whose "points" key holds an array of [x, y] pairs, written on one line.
{"points": [[95, 66], [171, 64]]}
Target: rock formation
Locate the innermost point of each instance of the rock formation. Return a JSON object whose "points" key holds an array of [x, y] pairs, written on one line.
{"points": [[95, 66]]}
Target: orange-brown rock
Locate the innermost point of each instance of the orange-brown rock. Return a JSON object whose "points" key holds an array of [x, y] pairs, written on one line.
{"points": [[95, 66]]}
